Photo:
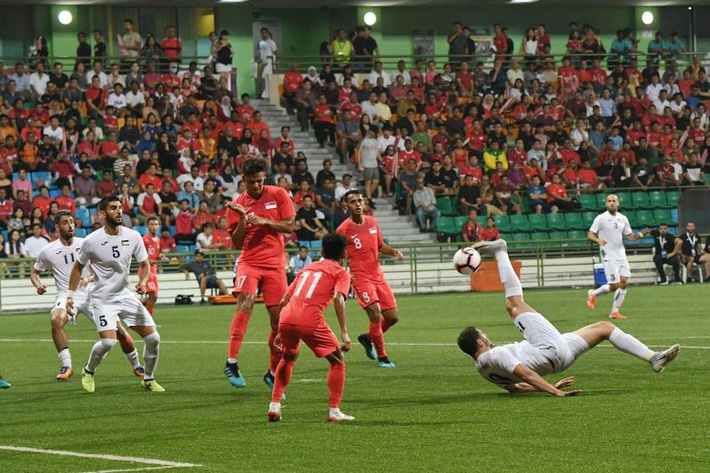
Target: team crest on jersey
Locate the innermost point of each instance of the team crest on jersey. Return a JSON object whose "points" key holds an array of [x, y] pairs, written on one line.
{"points": [[270, 205], [373, 230], [125, 242]]}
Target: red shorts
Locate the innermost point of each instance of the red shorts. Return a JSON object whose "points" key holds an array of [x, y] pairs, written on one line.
{"points": [[320, 339], [368, 292], [152, 284], [272, 280]]}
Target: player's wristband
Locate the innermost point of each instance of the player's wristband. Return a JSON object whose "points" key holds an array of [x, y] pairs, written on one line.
{"points": [[70, 293]]}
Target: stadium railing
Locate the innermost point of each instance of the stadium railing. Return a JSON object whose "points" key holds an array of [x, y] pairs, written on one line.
{"points": [[426, 268]]}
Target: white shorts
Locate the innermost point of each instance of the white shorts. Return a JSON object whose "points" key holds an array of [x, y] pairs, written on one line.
{"points": [[558, 350], [615, 269], [219, 68], [128, 308], [82, 305]]}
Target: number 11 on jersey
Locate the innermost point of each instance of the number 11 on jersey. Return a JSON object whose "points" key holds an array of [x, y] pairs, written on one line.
{"points": [[304, 278]]}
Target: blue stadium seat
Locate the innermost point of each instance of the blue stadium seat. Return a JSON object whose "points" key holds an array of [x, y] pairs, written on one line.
{"points": [[45, 177], [141, 229], [93, 211], [80, 232], [54, 193], [15, 176], [305, 243], [674, 215], [182, 248], [84, 216], [172, 230]]}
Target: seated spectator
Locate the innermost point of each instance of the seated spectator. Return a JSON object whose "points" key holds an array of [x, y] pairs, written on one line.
{"points": [[167, 242], [18, 221], [169, 201], [222, 237], [325, 174], [537, 196], [203, 216], [494, 155], [642, 174], [506, 197], [85, 188], [692, 171], [205, 275], [667, 250], [490, 233], [469, 196], [205, 238], [189, 194], [65, 200], [211, 195], [16, 249], [149, 205], [344, 186], [21, 183], [325, 199], [297, 263], [434, 179], [106, 187], [557, 196], [311, 227], [184, 227], [665, 174], [471, 230], [35, 242], [425, 205], [341, 213], [302, 174], [348, 136], [304, 190]]}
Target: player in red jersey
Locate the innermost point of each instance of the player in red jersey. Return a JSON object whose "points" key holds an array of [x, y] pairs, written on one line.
{"points": [[257, 220], [302, 318], [371, 289], [152, 245]]}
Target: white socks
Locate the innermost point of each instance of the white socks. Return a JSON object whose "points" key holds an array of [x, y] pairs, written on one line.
{"points": [[601, 290], [231, 360], [133, 358], [510, 280], [630, 344], [619, 297], [99, 351], [151, 353], [65, 358]]}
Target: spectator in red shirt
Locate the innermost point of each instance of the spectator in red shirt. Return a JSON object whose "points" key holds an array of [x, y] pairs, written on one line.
{"points": [[167, 243], [151, 177], [203, 216], [6, 208], [471, 230], [588, 178], [324, 126], [665, 174], [222, 238], [184, 232], [557, 196], [171, 44], [490, 232], [106, 187], [43, 200], [292, 82], [95, 98], [65, 200]]}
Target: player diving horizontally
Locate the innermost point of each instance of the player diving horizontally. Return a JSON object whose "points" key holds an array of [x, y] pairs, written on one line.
{"points": [[59, 257], [520, 367], [109, 251], [608, 231]]}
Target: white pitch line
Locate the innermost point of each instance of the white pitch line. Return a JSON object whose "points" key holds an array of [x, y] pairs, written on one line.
{"points": [[132, 469], [65, 453], [396, 344]]}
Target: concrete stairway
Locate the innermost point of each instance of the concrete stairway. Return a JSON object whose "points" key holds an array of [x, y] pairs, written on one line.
{"points": [[397, 229]]}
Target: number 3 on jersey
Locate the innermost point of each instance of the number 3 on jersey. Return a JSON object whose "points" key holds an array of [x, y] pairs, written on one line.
{"points": [[302, 282]]}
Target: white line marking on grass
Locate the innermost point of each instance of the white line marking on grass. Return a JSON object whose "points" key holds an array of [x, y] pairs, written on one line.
{"points": [[396, 344], [65, 453], [132, 469]]}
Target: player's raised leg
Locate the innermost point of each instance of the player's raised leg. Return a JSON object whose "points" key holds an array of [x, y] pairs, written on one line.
{"points": [[596, 333], [59, 319]]}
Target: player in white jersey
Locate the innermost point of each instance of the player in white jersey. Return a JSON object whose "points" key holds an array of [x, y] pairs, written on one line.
{"points": [[59, 257], [608, 231], [109, 251], [520, 367]]}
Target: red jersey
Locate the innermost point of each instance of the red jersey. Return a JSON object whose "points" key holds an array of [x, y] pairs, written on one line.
{"points": [[489, 234], [66, 203], [364, 242], [311, 292], [167, 244], [152, 246], [222, 238], [554, 191], [293, 81], [246, 113], [263, 247]]}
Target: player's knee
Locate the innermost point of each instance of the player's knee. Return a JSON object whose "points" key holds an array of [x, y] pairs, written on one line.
{"points": [[290, 356], [622, 284], [108, 343], [613, 286], [606, 327], [58, 322]]}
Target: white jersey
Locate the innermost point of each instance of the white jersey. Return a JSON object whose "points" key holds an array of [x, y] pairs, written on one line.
{"points": [[613, 229], [110, 258], [60, 259], [498, 363]]}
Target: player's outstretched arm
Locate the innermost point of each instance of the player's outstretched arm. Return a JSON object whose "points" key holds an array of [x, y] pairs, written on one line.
{"points": [[527, 388], [538, 382], [339, 304], [37, 282], [388, 250]]}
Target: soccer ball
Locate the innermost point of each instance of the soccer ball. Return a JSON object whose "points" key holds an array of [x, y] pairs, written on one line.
{"points": [[467, 261]]}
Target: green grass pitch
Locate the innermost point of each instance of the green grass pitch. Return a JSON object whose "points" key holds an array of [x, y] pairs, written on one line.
{"points": [[432, 413]]}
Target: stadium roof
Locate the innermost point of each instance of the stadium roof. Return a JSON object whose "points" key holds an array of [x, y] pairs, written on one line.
{"points": [[363, 3]]}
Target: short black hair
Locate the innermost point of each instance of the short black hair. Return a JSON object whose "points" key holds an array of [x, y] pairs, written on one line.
{"points": [[60, 214], [302, 248], [151, 219], [107, 200], [254, 166], [351, 192], [334, 246], [468, 340]]}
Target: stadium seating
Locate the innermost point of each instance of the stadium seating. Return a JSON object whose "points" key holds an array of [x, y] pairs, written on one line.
{"points": [[445, 206], [519, 223]]}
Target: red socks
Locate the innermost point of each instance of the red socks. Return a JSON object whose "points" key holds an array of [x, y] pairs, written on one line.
{"points": [[377, 338], [336, 384], [126, 344], [150, 310], [282, 377], [236, 333], [275, 353]]}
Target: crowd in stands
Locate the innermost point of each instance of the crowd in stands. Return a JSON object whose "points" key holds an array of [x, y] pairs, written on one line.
{"points": [[528, 132], [170, 138]]}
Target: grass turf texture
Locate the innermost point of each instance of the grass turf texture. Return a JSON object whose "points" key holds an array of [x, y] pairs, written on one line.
{"points": [[433, 412]]}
